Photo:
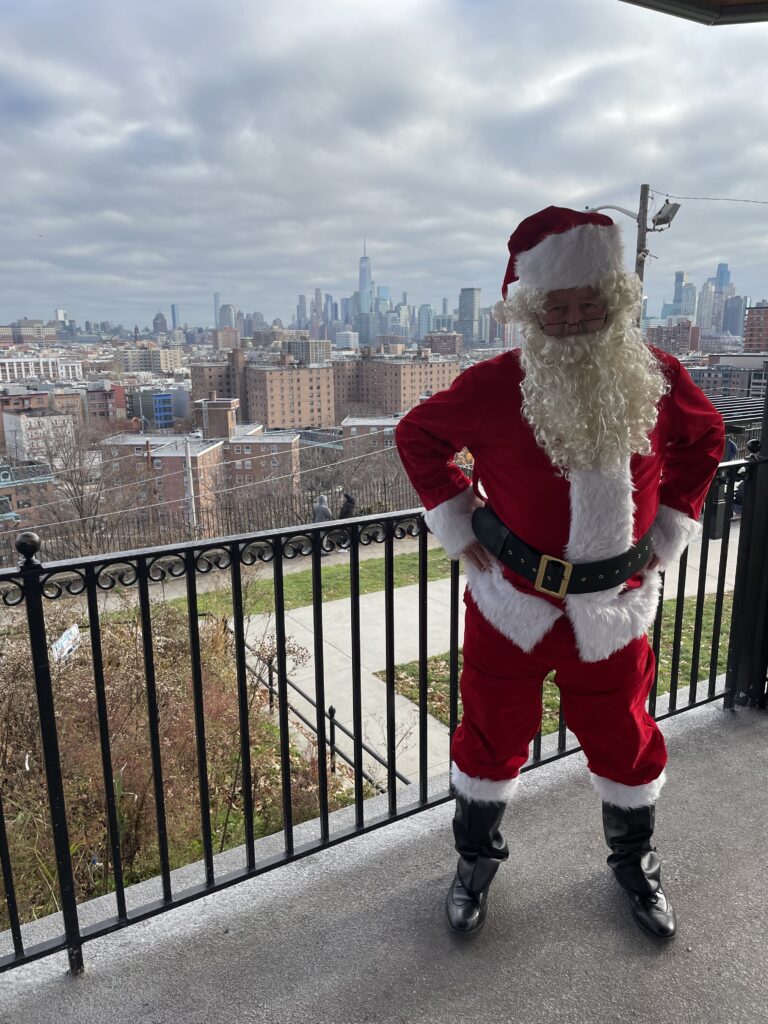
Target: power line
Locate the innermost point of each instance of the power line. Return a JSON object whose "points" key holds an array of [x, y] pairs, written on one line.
{"points": [[711, 199], [177, 472], [225, 490]]}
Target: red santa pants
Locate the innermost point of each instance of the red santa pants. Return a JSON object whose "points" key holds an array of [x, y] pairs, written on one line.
{"points": [[603, 703]]}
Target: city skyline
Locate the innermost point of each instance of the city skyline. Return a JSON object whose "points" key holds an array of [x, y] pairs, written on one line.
{"points": [[138, 173], [667, 307]]}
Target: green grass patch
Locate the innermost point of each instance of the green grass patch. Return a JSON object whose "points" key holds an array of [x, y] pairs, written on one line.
{"points": [[438, 666], [258, 590]]}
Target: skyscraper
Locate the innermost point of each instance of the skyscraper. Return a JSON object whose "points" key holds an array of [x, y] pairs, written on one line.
{"points": [[722, 277], [469, 313], [301, 311], [425, 320], [216, 307], [365, 283], [160, 324], [226, 315], [734, 312], [175, 318], [706, 307], [688, 302]]}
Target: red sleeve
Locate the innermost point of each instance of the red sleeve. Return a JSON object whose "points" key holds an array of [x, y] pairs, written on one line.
{"points": [[694, 448], [431, 433]]}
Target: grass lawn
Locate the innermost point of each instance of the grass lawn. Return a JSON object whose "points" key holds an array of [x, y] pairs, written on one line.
{"points": [[407, 675], [258, 596]]}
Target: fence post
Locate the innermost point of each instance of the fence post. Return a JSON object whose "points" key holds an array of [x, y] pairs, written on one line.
{"points": [[748, 654], [332, 737], [28, 545]]}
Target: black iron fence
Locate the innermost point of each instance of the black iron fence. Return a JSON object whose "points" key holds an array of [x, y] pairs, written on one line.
{"points": [[142, 705]]}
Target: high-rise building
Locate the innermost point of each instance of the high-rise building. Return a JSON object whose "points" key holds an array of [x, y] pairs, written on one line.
{"points": [[722, 277], [301, 312], [160, 324], [734, 311], [706, 307], [469, 314], [226, 315], [175, 318], [445, 307], [425, 320], [216, 308], [365, 284], [688, 300]]}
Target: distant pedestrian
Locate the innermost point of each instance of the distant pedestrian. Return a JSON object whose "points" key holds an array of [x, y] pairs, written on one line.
{"points": [[731, 450], [347, 509], [321, 513]]}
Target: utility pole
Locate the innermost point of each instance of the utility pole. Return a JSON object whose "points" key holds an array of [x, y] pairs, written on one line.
{"points": [[190, 488], [642, 229]]}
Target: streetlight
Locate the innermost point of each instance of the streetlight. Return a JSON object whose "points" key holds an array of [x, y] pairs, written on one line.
{"points": [[660, 222]]}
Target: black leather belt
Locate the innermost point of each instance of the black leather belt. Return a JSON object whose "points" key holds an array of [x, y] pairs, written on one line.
{"points": [[555, 576]]}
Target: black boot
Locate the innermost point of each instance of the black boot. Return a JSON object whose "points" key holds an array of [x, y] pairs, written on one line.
{"points": [[481, 849], [638, 868]]}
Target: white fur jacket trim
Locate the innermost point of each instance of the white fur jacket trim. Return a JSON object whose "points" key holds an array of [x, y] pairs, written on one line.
{"points": [[482, 791], [672, 532], [451, 521], [602, 518], [521, 618], [628, 797]]}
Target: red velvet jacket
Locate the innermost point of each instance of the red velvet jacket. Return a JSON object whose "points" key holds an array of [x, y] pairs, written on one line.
{"points": [[587, 518]]}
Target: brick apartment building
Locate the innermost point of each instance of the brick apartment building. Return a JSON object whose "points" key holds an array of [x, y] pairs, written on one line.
{"points": [[161, 468], [756, 329], [299, 397], [443, 343], [291, 397], [23, 402]]}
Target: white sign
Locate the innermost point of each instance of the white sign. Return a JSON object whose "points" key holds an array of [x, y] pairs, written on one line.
{"points": [[67, 643]]}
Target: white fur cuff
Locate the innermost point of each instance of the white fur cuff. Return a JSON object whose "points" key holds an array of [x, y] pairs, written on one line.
{"points": [[451, 521], [482, 791], [628, 797], [671, 533]]}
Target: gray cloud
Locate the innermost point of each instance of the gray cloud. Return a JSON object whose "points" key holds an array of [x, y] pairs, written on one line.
{"points": [[155, 153]]}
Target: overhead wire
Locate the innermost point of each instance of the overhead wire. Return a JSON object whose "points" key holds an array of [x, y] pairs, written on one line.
{"points": [[226, 490], [156, 479]]}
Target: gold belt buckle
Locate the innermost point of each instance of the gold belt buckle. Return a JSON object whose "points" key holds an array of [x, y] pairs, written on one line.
{"points": [[567, 570]]}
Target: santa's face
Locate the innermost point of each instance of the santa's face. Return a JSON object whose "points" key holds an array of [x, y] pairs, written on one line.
{"points": [[571, 311]]}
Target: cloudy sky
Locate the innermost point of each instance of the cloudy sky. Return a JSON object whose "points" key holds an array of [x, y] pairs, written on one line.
{"points": [[160, 150]]}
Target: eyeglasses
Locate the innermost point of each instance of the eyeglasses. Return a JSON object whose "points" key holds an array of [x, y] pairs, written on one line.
{"points": [[588, 326]]}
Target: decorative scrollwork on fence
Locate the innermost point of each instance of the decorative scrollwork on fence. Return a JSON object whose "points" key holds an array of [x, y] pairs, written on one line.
{"points": [[298, 545], [62, 581], [411, 526], [339, 538], [171, 565], [373, 533], [12, 592], [217, 557], [257, 551], [109, 574]]}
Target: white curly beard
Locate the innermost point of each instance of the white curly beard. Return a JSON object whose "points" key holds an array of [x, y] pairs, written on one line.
{"points": [[591, 399]]}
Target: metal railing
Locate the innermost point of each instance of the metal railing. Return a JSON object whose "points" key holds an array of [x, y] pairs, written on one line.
{"points": [[30, 592]]}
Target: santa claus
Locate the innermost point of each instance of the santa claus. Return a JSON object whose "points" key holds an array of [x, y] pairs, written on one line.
{"points": [[593, 454]]}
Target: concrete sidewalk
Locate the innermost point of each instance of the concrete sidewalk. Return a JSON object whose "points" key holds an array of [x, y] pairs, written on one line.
{"points": [[357, 934]]}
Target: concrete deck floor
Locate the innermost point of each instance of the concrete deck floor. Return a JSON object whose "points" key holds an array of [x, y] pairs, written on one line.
{"points": [[356, 933]]}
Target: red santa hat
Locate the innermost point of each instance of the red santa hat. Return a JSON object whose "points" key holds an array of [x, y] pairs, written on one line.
{"points": [[561, 248]]}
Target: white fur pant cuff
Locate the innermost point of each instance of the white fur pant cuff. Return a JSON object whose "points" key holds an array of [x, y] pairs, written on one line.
{"points": [[628, 797], [482, 791]]}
